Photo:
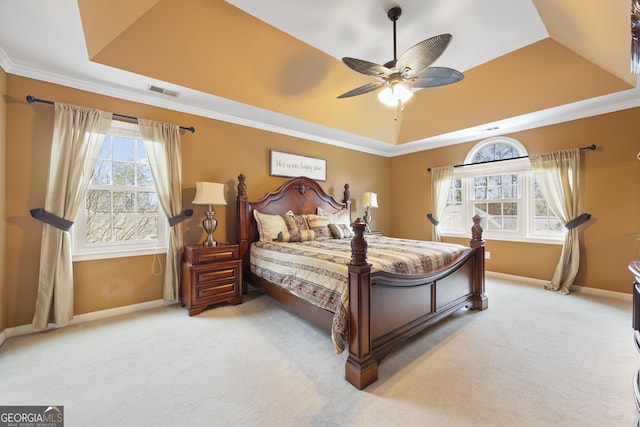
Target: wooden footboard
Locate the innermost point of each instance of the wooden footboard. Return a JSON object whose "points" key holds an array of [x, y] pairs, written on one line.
{"points": [[384, 308], [387, 308]]}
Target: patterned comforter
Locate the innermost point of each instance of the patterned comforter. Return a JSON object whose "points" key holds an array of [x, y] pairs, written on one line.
{"points": [[316, 270]]}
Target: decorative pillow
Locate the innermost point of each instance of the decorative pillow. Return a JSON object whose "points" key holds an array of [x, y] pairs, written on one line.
{"points": [[297, 229], [295, 222], [340, 217], [269, 226], [296, 236], [320, 225], [341, 231]]}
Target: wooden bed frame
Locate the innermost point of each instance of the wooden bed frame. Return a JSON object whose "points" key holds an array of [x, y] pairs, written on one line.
{"points": [[384, 308]]}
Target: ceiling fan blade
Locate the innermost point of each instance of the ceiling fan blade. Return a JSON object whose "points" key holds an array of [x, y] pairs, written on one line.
{"points": [[422, 54], [435, 76], [369, 87], [366, 67]]}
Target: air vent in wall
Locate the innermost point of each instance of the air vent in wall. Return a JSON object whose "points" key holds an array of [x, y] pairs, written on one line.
{"points": [[164, 91]]}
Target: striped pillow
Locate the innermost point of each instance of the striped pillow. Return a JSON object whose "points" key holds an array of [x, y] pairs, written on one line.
{"points": [[320, 225]]}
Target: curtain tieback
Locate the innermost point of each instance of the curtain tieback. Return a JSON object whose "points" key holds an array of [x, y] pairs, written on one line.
{"points": [[432, 220], [578, 221], [181, 217], [51, 219]]}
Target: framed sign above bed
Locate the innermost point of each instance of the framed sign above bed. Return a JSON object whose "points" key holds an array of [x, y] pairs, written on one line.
{"points": [[292, 165]]}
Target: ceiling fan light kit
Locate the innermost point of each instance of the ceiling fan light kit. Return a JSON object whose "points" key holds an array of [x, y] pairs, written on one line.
{"points": [[395, 94], [403, 75]]}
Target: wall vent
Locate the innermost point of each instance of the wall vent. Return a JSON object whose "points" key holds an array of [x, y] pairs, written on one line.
{"points": [[164, 91]]}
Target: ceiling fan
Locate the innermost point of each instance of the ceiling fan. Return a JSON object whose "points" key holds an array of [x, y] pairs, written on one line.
{"points": [[409, 72]]}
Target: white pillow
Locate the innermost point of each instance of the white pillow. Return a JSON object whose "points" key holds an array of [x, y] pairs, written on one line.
{"points": [[340, 217]]}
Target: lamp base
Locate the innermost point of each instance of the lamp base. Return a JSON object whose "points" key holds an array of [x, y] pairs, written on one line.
{"points": [[367, 219], [209, 224]]}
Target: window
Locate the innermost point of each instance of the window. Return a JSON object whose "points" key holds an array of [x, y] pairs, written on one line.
{"points": [[120, 214], [504, 194]]}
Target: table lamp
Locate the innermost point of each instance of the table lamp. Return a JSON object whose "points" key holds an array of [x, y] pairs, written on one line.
{"points": [[368, 200], [209, 193]]}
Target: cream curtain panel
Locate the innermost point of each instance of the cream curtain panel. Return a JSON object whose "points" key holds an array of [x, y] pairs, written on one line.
{"points": [[78, 135], [558, 176], [440, 185], [162, 143]]}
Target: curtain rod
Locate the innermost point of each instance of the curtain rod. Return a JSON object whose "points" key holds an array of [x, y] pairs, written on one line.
{"points": [[591, 147], [31, 99]]}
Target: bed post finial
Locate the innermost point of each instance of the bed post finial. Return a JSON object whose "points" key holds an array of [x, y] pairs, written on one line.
{"points": [[347, 193], [242, 186], [358, 243], [476, 232]]}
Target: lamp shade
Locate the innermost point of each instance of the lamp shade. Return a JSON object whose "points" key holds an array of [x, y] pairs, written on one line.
{"points": [[369, 200], [209, 193]]}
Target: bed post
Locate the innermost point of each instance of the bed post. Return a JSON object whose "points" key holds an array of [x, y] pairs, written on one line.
{"points": [[346, 199], [243, 224], [361, 368], [477, 243]]}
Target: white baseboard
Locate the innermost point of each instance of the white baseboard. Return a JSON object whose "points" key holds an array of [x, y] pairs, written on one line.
{"points": [[83, 318], [574, 289]]}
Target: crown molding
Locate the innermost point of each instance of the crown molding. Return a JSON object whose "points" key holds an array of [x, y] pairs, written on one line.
{"points": [[245, 115]]}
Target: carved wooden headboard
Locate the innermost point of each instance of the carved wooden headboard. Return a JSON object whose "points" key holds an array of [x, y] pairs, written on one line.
{"points": [[301, 195]]}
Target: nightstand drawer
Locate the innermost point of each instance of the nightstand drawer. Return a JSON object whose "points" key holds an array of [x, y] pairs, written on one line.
{"points": [[205, 255], [205, 274], [222, 289]]}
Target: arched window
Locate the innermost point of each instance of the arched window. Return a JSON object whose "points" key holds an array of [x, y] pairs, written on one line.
{"points": [[503, 193]]}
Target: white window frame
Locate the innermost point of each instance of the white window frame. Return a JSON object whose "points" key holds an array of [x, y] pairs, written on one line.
{"points": [[84, 251], [526, 195]]}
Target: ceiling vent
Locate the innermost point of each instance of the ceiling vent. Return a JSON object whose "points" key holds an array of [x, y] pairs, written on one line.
{"points": [[164, 91]]}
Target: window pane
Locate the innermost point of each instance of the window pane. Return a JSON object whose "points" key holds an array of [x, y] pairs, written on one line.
{"points": [[123, 201], [147, 202], [123, 148], [124, 227], [510, 208], [101, 172], [144, 175], [480, 209], [98, 201], [123, 173], [510, 223], [510, 191], [493, 192], [98, 228], [148, 227], [495, 208]]}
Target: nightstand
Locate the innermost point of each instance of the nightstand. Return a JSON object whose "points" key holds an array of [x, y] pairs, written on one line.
{"points": [[373, 233], [210, 275]]}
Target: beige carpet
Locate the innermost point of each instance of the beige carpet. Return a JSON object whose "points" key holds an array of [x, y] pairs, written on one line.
{"points": [[534, 358]]}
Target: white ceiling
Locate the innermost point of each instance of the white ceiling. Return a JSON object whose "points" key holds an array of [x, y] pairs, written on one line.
{"points": [[478, 31], [44, 40]]}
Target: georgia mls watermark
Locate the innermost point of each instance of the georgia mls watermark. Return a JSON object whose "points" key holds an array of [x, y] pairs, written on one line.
{"points": [[31, 416]]}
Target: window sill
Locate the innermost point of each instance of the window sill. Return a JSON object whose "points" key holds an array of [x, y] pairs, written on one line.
{"points": [[89, 256]]}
